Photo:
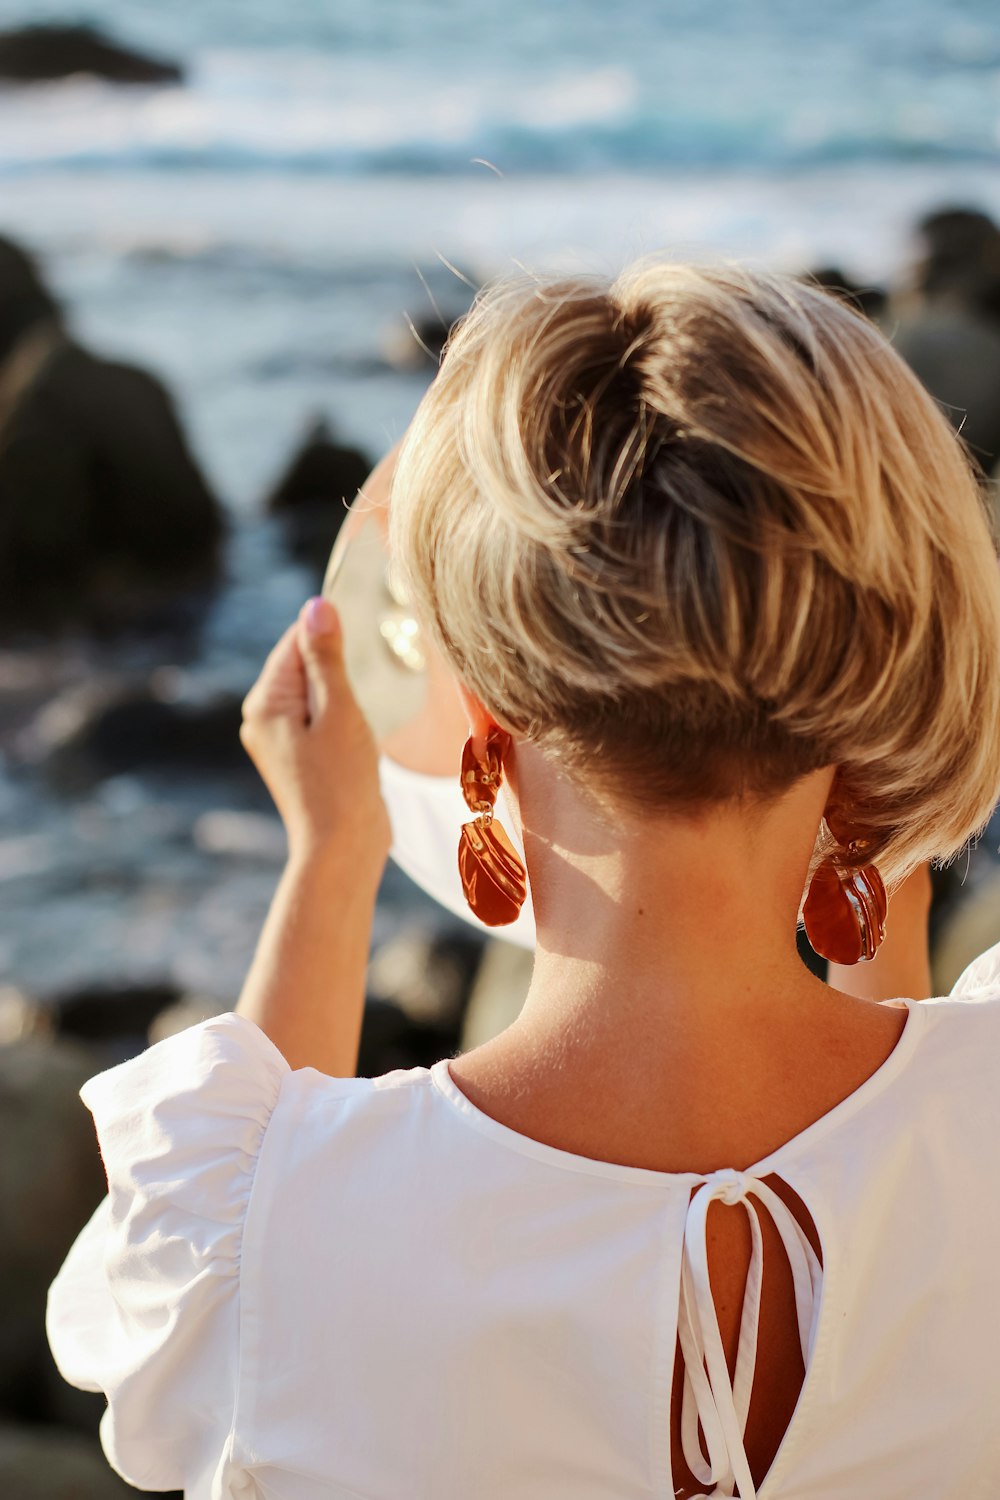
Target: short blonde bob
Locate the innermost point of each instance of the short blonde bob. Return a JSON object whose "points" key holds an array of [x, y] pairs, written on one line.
{"points": [[700, 532]]}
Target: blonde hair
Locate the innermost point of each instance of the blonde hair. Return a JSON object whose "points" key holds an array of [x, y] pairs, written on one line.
{"points": [[700, 532]]}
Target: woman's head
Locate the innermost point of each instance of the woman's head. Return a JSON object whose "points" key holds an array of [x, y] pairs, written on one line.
{"points": [[699, 533]]}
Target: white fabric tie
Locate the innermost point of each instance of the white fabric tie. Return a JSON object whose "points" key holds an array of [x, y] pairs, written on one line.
{"points": [[721, 1406]]}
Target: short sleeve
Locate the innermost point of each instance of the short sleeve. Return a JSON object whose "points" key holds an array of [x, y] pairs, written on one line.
{"points": [[146, 1307], [981, 978]]}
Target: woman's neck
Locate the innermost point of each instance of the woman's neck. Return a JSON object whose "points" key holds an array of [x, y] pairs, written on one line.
{"points": [[689, 921], [667, 991]]}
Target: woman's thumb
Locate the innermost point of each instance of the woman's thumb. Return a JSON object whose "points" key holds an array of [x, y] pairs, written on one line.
{"points": [[320, 645]]}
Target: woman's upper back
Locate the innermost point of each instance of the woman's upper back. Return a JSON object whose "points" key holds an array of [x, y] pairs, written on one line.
{"points": [[372, 1289], [679, 1111]]}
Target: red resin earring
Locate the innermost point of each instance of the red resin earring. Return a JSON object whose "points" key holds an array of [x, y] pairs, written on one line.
{"points": [[493, 878], [845, 909]]}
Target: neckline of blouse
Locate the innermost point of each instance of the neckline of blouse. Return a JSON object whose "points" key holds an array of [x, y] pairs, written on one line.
{"points": [[874, 1084]]}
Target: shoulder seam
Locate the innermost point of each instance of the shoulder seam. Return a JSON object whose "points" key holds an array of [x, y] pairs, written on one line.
{"points": [[400, 1078]]}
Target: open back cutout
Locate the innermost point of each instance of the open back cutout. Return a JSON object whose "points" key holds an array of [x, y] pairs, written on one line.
{"points": [[750, 1286]]}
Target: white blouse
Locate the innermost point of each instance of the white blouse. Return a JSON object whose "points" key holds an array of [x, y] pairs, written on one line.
{"points": [[358, 1289]]}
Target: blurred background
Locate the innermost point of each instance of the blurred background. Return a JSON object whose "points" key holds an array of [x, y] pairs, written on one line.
{"points": [[232, 239]]}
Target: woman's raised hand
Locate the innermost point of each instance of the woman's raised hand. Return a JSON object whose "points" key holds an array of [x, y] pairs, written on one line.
{"points": [[305, 733]]}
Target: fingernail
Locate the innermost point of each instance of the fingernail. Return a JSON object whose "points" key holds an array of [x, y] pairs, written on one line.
{"points": [[317, 616]]}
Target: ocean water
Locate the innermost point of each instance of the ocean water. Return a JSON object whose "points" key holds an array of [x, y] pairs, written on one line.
{"points": [[258, 233], [428, 85], [257, 230]]}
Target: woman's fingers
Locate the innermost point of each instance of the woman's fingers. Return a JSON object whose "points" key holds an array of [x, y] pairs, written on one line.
{"points": [[302, 672], [280, 690], [320, 645], [309, 741]]}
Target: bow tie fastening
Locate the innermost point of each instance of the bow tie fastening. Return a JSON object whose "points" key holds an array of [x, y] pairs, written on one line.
{"points": [[710, 1398]]}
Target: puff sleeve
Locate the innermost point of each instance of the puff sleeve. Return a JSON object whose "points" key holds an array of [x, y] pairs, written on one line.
{"points": [[146, 1307]]}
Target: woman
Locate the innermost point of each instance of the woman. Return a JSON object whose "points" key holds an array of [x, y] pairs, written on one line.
{"points": [[714, 577]]}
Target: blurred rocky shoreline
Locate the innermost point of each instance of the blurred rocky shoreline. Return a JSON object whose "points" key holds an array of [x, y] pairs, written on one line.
{"points": [[138, 848]]}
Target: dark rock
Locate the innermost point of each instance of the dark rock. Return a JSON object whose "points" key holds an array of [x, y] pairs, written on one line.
{"points": [[959, 258], [390, 1040], [97, 489], [25, 301], [91, 733], [45, 1463], [956, 354], [35, 54], [106, 1014], [870, 300], [947, 325], [323, 472], [51, 1180], [313, 495], [99, 493]]}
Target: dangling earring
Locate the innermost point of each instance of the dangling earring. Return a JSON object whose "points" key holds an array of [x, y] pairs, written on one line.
{"points": [[493, 878], [844, 912]]}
